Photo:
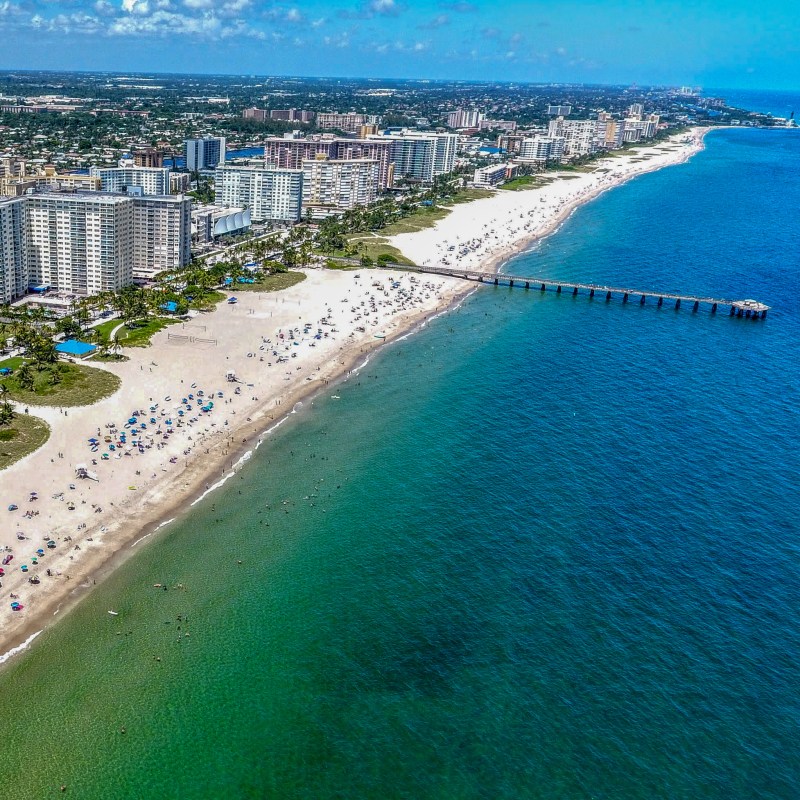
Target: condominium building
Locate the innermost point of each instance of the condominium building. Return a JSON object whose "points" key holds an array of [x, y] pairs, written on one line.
{"points": [[579, 135], [465, 118], [291, 153], [80, 243], [559, 110], [636, 110], [422, 156], [283, 153], [332, 186], [494, 175], [134, 180], [12, 167], [179, 182], [282, 114], [270, 194], [541, 149], [349, 122], [13, 249], [205, 153], [162, 234], [149, 157]]}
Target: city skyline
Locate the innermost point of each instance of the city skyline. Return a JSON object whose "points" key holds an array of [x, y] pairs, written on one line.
{"points": [[707, 43]]}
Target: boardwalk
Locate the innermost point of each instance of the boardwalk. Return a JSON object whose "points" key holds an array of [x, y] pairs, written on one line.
{"points": [[740, 308]]}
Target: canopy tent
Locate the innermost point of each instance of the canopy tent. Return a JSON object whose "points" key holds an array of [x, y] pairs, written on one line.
{"points": [[74, 347]]}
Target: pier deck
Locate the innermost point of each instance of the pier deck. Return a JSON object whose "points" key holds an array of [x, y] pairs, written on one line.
{"points": [[740, 308]]}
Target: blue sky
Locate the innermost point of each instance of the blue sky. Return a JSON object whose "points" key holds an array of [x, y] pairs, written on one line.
{"points": [[705, 42]]}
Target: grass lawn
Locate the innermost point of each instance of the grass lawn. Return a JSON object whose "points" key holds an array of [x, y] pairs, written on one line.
{"points": [[12, 363], [138, 336], [79, 386], [208, 301], [270, 283], [375, 247], [523, 182], [24, 435], [468, 195], [419, 219]]}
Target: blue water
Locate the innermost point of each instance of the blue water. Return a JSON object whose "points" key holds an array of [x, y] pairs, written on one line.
{"points": [[546, 548], [777, 103]]}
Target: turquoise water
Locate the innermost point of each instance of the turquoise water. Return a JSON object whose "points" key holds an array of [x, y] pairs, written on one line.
{"points": [[546, 548]]}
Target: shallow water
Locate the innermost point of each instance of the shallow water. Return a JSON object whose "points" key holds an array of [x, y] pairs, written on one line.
{"points": [[545, 548]]}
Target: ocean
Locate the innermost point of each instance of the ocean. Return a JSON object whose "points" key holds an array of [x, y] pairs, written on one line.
{"points": [[546, 547]]}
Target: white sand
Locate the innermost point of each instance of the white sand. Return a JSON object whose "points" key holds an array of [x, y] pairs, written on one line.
{"points": [[482, 234], [135, 491]]}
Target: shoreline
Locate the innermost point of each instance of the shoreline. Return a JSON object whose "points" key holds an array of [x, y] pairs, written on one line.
{"points": [[457, 229], [193, 487], [171, 498]]}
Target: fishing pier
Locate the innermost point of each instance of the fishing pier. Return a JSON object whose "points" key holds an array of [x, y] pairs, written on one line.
{"points": [[750, 309]]}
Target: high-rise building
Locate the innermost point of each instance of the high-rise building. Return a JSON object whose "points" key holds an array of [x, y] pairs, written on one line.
{"points": [[579, 135], [12, 167], [205, 153], [179, 182], [269, 193], [134, 180], [332, 186], [465, 118], [80, 243], [541, 149], [559, 111], [13, 249], [291, 153], [350, 122], [422, 156], [162, 233], [636, 110], [149, 157]]}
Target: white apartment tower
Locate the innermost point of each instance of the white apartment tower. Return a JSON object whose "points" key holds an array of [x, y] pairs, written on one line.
{"points": [[162, 232], [422, 156], [465, 118], [80, 243], [579, 135], [13, 249], [270, 194], [134, 180], [331, 186], [541, 149]]}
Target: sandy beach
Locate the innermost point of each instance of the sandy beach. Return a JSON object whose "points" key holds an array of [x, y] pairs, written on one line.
{"points": [[485, 233], [178, 427], [158, 444]]}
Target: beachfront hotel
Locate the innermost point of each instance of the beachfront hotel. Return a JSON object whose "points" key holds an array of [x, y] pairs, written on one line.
{"points": [[331, 186], [270, 194]]}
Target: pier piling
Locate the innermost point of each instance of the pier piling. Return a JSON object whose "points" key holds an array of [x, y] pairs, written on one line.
{"points": [[750, 309]]}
